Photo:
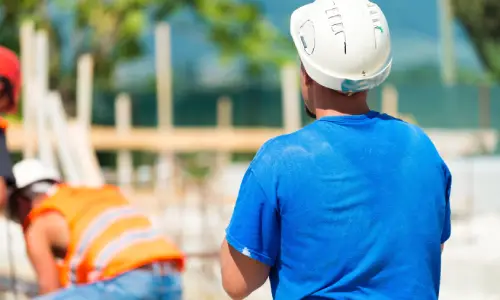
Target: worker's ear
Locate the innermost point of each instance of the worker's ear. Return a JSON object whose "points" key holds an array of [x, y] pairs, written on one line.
{"points": [[306, 79]]}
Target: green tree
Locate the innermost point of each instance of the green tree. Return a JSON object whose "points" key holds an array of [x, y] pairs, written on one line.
{"points": [[480, 18], [13, 12], [111, 30]]}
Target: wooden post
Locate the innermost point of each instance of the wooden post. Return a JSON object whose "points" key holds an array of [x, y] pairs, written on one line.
{"points": [[27, 64], [224, 122], [123, 121], [84, 88], [390, 99], [41, 89], [165, 184], [62, 135], [42, 61], [446, 19], [290, 98], [222, 159], [484, 106], [224, 113], [90, 170]]}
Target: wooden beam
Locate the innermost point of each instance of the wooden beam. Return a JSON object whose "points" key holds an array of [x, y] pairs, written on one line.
{"points": [[178, 139]]}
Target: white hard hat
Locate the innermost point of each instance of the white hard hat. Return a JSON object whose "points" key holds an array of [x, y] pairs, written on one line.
{"points": [[29, 171], [344, 45]]}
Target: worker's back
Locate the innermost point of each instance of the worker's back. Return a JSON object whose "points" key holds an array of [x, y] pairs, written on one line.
{"points": [[362, 206], [108, 236]]}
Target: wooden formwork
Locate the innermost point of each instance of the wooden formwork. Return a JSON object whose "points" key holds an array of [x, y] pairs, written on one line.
{"points": [[105, 138]]}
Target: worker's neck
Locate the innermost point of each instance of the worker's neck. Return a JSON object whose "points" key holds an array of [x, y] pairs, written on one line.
{"points": [[330, 103], [37, 201]]}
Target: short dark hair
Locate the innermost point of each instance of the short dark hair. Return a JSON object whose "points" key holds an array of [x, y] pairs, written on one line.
{"points": [[28, 193], [8, 90]]}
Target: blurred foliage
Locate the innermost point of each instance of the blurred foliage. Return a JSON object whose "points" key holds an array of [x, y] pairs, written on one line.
{"points": [[242, 157], [481, 20], [115, 28], [112, 31], [14, 12]]}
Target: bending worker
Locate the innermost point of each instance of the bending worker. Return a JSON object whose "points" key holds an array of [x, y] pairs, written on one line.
{"points": [[10, 84], [356, 204], [90, 241]]}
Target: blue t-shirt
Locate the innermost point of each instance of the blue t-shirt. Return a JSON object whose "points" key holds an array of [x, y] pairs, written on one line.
{"points": [[349, 207]]}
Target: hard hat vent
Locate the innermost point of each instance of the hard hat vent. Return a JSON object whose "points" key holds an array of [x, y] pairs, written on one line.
{"points": [[336, 24], [376, 19], [375, 13]]}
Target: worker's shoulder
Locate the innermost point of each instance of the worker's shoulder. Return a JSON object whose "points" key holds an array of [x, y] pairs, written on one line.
{"points": [[404, 126], [412, 134], [281, 147], [277, 144]]}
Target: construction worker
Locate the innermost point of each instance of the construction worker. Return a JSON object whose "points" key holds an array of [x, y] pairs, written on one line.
{"points": [[356, 204], [90, 243], [10, 84]]}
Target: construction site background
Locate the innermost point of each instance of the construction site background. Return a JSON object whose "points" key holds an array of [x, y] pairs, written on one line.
{"points": [[171, 102]]}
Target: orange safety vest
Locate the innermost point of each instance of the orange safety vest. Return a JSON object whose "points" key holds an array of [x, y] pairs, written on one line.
{"points": [[3, 124], [108, 236]]}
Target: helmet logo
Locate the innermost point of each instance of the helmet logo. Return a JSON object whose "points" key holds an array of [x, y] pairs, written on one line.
{"points": [[363, 73]]}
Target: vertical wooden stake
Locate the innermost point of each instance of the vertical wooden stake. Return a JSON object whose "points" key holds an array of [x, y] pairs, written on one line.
{"points": [[28, 69], [41, 88], [165, 180], [290, 98], [123, 117], [84, 88], [390, 101]]}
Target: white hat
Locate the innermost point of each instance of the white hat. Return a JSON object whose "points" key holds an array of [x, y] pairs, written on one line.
{"points": [[344, 45], [29, 171]]}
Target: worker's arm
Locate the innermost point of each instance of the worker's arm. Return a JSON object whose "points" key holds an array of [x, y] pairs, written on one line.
{"points": [[40, 254], [252, 239], [6, 176], [446, 233], [241, 275]]}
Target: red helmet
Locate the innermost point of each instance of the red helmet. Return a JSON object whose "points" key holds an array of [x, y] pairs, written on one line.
{"points": [[10, 76]]}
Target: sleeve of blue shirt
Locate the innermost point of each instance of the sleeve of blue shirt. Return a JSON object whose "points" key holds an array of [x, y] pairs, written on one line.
{"points": [[445, 235], [254, 227]]}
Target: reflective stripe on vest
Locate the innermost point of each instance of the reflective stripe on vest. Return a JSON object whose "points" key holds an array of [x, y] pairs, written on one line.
{"points": [[99, 225], [117, 245]]}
